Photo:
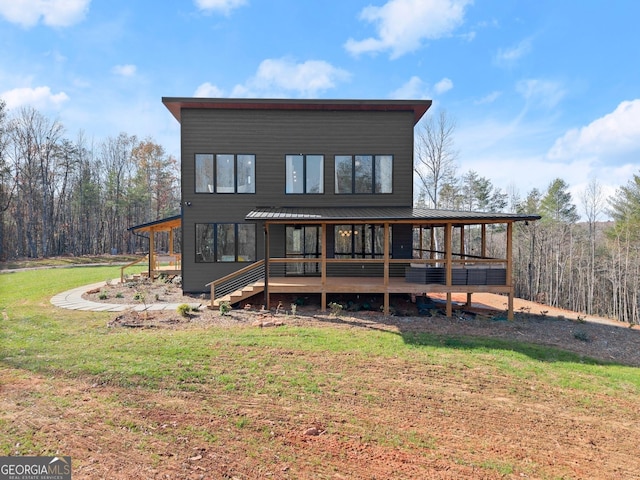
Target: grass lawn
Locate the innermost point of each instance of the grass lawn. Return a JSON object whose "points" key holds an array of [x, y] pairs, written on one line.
{"points": [[291, 402]]}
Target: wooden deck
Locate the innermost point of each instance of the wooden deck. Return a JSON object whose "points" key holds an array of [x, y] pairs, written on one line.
{"points": [[378, 285], [371, 285]]}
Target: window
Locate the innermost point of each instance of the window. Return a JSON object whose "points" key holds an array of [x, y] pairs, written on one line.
{"points": [[359, 241], [225, 174], [204, 173], [233, 173], [225, 242], [363, 174], [303, 241], [305, 173], [246, 173], [383, 168]]}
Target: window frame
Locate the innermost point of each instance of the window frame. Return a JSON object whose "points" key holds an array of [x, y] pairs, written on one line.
{"points": [[213, 243], [306, 172], [359, 235], [213, 187], [377, 186]]}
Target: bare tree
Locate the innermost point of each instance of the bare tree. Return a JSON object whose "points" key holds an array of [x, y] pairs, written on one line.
{"points": [[593, 205], [435, 163], [7, 179]]}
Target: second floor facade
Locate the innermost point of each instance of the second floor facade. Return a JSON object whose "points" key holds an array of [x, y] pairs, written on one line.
{"points": [[296, 152]]}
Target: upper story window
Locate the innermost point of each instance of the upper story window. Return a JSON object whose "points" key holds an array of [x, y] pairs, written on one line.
{"points": [[305, 173], [364, 173], [225, 173]]}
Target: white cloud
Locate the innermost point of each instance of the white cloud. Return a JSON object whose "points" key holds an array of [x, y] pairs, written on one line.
{"points": [[541, 93], [207, 90], [54, 13], [402, 25], [509, 56], [39, 97], [284, 77], [443, 86], [220, 6], [613, 136], [489, 98], [124, 70], [416, 88]]}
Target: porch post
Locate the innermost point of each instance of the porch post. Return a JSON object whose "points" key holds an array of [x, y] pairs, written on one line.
{"points": [[266, 266], [483, 247], [386, 269], [323, 268], [463, 256], [432, 239], [448, 246], [509, 268], [152, 253]]}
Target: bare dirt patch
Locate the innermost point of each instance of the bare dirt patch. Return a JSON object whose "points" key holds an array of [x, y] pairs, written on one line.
{"points": [[367, 417]]}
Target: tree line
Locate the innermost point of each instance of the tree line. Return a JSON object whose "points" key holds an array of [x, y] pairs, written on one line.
{"points": [[62, 196], [582, 256]]}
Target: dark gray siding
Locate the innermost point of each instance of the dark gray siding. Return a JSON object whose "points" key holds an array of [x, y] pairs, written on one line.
{"points": [[270, 135]]}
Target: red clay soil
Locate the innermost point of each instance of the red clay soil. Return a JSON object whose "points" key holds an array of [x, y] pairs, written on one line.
{"points": [[368, 417]]}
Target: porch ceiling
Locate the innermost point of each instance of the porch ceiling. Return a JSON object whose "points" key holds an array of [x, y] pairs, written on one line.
{"points": [[381, 214]]}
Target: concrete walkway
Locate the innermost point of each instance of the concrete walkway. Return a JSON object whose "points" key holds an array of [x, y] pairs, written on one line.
{"points": [[72, 300]]}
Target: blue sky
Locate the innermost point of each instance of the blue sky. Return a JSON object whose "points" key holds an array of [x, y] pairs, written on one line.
{"points": [[538, 90]]}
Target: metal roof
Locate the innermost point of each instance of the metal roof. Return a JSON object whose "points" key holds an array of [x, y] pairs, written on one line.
{"points": [[176, 104], [418, 215]]}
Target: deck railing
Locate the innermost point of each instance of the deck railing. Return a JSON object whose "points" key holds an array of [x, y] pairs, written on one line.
{"points": [[237, 280], [464, 272], [135, 262]]}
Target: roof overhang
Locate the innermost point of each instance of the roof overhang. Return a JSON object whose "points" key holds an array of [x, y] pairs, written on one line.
{"points": [[382, 214], [168, 223], [417, 107]]}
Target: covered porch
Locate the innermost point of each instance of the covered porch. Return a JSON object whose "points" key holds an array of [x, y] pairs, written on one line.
{"points": [[166, 260], [438, 256]]}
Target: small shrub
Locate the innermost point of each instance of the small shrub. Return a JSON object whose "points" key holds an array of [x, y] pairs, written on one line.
{"points": [[184, 309], [225, 308], [336, 309], [119, 295], [139, 296], [294, 309], [581, 335], [103, 295]]}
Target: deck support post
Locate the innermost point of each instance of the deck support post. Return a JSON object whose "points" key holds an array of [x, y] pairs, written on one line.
{"points": [[448, 245], [323, 268], [510, 269], [267, 300], [386, 269]]}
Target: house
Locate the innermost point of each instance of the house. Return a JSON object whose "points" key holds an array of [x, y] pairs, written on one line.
{"points": [[316, 196]]}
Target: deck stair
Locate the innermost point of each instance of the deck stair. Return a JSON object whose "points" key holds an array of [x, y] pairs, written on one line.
{"points": [[239, 295], [238, 285]]}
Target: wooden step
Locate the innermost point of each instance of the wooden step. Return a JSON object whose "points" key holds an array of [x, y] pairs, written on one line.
{"points": [[239, 295]]}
